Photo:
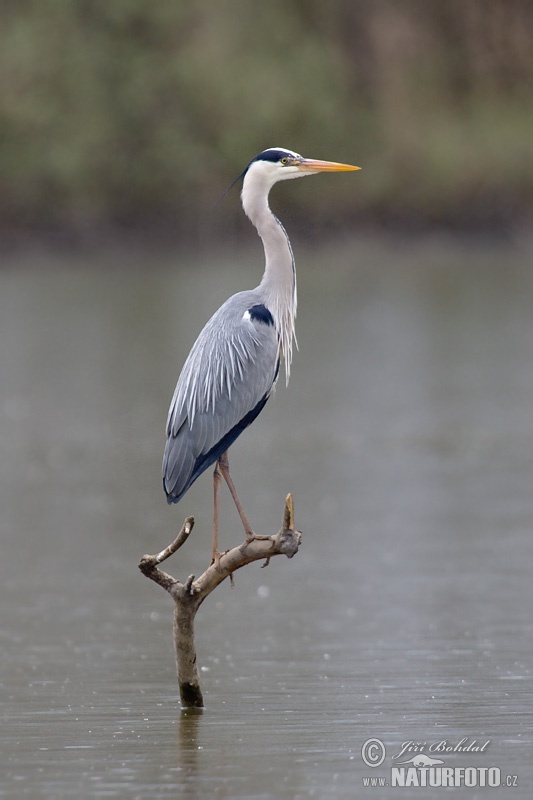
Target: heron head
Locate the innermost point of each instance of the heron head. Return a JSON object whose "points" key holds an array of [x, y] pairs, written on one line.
{"points": [[278, 164]]}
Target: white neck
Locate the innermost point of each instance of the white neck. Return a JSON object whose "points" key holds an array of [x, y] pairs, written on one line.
{"points": [[278, 285]]}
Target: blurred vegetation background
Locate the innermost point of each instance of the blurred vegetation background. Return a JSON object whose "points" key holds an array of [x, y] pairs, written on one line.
{"points": [[121, 115]]}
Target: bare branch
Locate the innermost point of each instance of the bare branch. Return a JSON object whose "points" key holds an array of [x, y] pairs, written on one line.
{"points": [[147, 565], [284, 542], [288, 514], [180, 539], [190, 595]]}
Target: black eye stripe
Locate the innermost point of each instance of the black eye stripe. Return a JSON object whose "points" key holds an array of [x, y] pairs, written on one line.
{"points": [[272, 155]]}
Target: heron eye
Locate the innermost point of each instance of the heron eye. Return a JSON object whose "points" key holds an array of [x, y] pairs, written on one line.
{"points": [[284, 160]]}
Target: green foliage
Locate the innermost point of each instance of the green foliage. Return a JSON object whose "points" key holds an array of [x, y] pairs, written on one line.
{"points": [[123, 111]]}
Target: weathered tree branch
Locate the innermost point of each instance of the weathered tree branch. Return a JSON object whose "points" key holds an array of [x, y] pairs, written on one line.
{"points": [[190, 595]]}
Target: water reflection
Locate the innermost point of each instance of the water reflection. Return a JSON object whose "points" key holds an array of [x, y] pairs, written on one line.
{"points": [[406, 437], [188, 748]]}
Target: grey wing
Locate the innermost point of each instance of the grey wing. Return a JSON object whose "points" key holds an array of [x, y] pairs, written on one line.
{"points": [[225, 382]]}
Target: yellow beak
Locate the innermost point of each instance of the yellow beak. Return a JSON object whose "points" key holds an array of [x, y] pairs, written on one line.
{"points": [[311, 165]]}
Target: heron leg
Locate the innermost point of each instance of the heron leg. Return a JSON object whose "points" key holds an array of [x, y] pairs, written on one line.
{"points": [[217, 477], [223, 466]]}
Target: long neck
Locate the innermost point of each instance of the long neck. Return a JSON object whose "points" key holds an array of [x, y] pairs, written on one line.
{"points": [[278, 285]]}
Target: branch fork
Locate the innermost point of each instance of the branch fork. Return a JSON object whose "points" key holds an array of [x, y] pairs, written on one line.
{"points": [[188, 596]]}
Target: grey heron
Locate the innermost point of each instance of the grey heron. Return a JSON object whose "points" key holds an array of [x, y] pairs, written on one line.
{"points": [[233, 365]]}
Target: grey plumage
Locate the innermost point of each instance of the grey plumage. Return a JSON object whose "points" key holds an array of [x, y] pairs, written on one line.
{"points": [[230, 371]]}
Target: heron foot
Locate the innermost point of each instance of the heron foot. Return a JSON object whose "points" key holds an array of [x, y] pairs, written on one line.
{"points": [[253, 537]]}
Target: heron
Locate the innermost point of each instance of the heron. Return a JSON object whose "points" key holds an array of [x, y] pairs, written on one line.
{"points": [[233, 366]]}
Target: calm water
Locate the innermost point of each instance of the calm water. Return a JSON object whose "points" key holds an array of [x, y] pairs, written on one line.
{"points": [[406, 436]]}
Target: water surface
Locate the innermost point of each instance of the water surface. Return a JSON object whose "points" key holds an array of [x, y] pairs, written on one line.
{"points": [[406, 436]]}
